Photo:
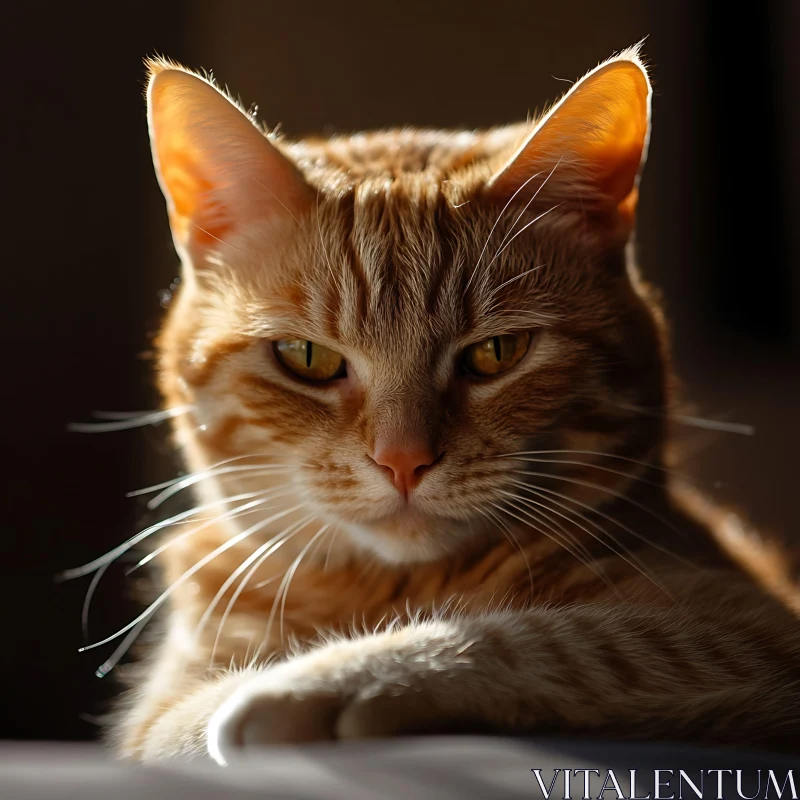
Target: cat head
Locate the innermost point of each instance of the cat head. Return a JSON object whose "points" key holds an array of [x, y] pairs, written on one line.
{"points": [[371, 328]]}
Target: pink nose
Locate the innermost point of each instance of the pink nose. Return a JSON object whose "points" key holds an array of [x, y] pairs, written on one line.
{"points": [[407, 464]]}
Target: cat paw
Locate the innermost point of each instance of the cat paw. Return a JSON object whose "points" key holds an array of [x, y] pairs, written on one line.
{"points": [[389, 714], [299, 701], [258, 716], [261, 714]]}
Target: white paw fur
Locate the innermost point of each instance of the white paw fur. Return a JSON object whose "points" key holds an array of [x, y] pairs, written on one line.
{"points": [[350, 690]]}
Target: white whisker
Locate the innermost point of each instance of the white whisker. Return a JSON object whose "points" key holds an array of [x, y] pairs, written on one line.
{"points": [[515, 278], [120, 651], [589, 465], [697, 422], [325, 249], [255, 471], [216, 238], [624, 554], [167, 593], [335, 533], [259, 556], [111, 555], [124, 421], [508, 533], [567, 545], [525, 208], [207, 471], [599, 487], [522, 230], [496, 223], [87, 600], [283, 588], [599, 453], [241, 511], [539, 489]]}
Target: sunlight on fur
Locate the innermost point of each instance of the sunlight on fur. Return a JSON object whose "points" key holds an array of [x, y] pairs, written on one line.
{"points": [[413, 376]]}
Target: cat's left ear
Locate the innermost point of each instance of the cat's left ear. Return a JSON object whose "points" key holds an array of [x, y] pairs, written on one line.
{"points": [[591, 145]]}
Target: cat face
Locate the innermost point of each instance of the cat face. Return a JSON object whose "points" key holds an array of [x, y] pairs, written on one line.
{"points": [[371, 329]]}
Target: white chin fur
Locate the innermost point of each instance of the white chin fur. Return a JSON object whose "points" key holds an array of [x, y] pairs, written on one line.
{"points": [[394, 549]]}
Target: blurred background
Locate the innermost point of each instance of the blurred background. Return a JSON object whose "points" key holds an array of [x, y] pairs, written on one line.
{"points": [[88, 255]]}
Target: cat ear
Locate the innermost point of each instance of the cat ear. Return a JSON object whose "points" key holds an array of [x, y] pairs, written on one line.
{"points": [[593, 141], [218, 172]]}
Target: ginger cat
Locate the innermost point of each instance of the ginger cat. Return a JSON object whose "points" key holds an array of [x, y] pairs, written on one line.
{"points": [[412, 366]]}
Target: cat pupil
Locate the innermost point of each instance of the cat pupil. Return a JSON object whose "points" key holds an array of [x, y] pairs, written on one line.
{"points": [[497, 348], [309, 346]]}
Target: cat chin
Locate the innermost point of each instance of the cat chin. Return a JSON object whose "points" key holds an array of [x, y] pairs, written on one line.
{"points": [[407, 542]]}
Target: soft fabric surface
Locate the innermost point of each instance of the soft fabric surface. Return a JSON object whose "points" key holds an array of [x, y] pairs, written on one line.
{"points": [[446, 767]]}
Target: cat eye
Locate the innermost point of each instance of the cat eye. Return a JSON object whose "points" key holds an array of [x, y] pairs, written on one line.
{"points": [[496, 355], [309, 360]]}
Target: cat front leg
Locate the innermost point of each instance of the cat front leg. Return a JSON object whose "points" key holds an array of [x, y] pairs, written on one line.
{"points": [[623, 671], [320, 695], [417, 679]]}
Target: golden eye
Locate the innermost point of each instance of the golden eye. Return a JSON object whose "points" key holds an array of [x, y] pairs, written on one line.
{"points": [[309, 360], [496, 355]]}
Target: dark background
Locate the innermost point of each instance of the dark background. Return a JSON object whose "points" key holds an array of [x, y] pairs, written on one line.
{"points": [[86, 248]]}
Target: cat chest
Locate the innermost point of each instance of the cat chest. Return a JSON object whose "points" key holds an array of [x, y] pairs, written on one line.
{"points": [[282, 608]]}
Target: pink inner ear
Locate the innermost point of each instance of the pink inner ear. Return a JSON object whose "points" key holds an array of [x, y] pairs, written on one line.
{"points": [[598, 131], [188, 190], [215, 167], [617, 109]]}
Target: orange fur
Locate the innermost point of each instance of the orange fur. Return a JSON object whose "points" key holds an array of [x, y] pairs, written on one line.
{"points": [[545, 573]]}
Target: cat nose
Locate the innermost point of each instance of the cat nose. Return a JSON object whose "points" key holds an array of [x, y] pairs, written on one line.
{"points": [[407, 463]]}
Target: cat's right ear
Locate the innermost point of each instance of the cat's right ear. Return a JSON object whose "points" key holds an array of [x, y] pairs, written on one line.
{"points": [[218, 171]]}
